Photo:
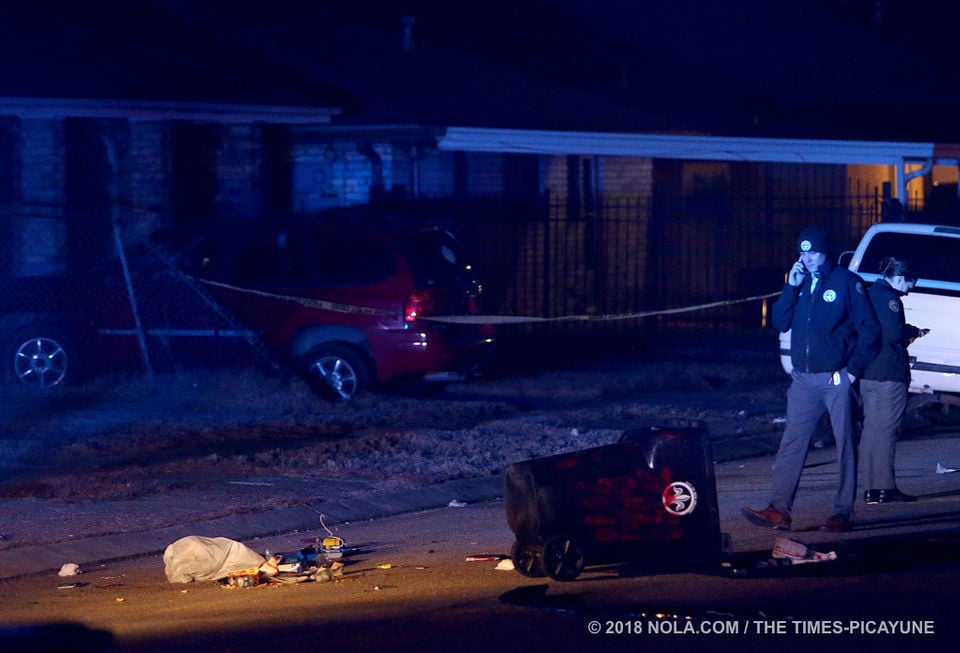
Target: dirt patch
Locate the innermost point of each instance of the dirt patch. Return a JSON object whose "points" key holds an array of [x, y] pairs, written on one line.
{"points": [[122, 454], [122, 438]]}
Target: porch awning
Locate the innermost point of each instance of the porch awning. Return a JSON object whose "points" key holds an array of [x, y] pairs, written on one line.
{"points": [[702, 147]]}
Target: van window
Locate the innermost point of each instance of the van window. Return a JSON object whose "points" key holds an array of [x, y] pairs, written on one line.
{"points": [[931, 256]]}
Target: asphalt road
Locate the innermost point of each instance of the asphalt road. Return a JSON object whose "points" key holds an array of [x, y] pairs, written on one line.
{"points": [[408, 586]]}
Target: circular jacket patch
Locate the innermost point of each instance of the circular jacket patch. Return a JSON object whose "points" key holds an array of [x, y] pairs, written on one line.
{"points": [[829, 296], [679, 498], [894, 306]]}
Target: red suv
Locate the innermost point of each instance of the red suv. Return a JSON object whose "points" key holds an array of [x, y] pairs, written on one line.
{"points": [[349, 307]]}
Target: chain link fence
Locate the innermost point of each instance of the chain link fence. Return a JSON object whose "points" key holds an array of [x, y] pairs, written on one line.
{"points": [[82, 295]]}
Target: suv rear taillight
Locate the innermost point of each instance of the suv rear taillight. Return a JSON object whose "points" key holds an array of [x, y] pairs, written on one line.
{"points": [[414, 306], [423, 302]]}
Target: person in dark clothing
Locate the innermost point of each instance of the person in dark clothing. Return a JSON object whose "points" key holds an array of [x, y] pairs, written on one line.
{"points": [[834, 336], [883, 387]]}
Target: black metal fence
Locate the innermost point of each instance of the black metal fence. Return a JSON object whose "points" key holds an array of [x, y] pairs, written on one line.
{"points": [[606, 277]]}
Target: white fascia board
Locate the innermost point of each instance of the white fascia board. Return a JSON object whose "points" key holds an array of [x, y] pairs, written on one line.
{"points": [[685, 147], [161, 110]]}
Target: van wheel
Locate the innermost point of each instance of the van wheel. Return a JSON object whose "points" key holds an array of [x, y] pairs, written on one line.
{"points": [[39, 357], [336, 371]]}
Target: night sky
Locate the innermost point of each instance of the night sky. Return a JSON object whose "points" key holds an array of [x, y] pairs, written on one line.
{"points": [[810, 68]]}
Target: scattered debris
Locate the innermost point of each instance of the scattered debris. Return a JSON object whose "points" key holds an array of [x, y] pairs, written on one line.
{"points": [[69, 569], [797, 553], [235, 565], [505, 565], [244, 577], [456, 503], [486, 557], [332, 547]]}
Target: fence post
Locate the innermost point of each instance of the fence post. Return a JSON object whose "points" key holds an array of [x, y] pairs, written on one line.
{"points": [[121, 253]]}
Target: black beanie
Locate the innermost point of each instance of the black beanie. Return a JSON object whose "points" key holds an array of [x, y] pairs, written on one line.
{"points": [[814, 239]]}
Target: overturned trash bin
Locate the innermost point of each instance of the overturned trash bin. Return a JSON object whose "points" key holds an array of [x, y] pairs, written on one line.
{"points": [[649, 499]]}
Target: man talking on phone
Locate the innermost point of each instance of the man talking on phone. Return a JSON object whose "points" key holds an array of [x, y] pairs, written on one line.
{"points": [[834, 336]]}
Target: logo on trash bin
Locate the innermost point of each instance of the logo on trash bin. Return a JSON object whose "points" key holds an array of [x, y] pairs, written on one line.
{"points": [[679, 498]]}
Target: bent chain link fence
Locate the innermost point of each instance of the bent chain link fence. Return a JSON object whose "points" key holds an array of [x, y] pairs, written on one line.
{"points": [[146, 316]]}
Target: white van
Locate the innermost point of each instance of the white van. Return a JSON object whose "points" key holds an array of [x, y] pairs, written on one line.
{"points": [[933, 252]]}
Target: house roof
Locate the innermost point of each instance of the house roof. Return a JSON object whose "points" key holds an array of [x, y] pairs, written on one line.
{"points": [[128, 59], [731, 68], [359, 47], [800, 69], [34, 107]]}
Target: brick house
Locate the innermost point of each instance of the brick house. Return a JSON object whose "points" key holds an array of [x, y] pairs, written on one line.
{"points": [[359, 116]]}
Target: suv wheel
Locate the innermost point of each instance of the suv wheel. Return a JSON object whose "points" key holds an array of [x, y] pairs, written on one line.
{"points": [[336, 371], [39, 357]]}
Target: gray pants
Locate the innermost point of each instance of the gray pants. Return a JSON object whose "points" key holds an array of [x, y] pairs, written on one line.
{"points": [[809, 396], [883, 405]]}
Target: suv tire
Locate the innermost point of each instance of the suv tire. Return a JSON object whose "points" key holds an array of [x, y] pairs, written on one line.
{"points": [[336, 371]]}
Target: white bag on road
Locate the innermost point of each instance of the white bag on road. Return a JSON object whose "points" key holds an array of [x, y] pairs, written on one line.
{"points": [[196, 557]]}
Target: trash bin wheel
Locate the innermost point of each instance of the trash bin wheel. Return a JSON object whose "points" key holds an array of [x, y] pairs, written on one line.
{"points": [[563, 558], [528, 559]]}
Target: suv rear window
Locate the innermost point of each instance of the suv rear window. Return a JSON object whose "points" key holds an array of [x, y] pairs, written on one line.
{"points": [[434, 257], [296, 258], [339, 259], [931, 256]]}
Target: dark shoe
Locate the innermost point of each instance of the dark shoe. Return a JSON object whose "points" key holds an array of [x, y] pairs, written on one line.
{"points": [[871, 496], [893, 496], [769, 516], [837, 524]]}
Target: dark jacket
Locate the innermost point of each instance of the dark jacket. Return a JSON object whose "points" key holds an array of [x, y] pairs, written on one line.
{"points": [[892, 363], [833, 329]]}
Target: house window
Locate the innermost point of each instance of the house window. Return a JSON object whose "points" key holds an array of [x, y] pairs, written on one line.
{"points": [[195, 152], [91, 182], [9, 160]]}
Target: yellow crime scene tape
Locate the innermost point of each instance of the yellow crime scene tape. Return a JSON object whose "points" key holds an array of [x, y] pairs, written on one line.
{"points": [[483, 319], [303, 301], [518, 319]]}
